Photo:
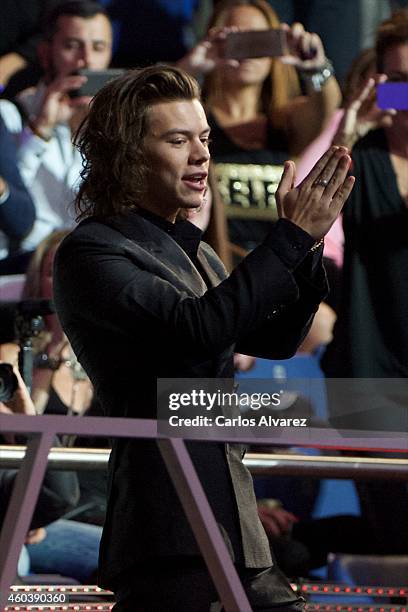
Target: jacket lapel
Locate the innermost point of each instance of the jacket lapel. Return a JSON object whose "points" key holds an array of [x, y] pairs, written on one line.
{"points": [[206, 259], [167, 258]]}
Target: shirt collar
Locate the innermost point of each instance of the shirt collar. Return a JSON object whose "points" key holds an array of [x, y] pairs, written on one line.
{"points": [[186, 234]]}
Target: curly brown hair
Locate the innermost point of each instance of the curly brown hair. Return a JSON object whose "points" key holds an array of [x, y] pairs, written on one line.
{"points": [[110, 138]]}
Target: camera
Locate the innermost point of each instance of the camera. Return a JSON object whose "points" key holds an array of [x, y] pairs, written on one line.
{"points": [[95, 80], [8, 382], [21, 322]]}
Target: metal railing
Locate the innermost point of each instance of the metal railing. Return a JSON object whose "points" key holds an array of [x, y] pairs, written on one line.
{"points": [[260, 464], [43, 429]]}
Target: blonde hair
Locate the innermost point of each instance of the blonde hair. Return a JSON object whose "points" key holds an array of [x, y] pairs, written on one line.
{"points": [[282, 83]]}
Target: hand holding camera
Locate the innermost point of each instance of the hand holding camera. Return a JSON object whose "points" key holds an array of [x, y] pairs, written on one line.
{"points": [[228, 45], [363, 114], [210, 53], [14, 395], [305, 50]]}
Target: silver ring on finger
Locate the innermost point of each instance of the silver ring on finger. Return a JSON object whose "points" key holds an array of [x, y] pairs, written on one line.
{"points": [[321, 182]]}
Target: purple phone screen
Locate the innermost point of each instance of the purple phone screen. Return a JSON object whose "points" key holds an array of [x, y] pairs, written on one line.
{"points": [[392, 95]]}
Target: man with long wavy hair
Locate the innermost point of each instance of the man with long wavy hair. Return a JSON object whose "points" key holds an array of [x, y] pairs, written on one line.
{"points": [[141, 297]]}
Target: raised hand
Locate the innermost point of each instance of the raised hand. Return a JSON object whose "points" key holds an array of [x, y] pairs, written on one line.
{"points": [[21, 402], [208, 54], [57, 106], [316, 203], [305, 49], [362, 115]]}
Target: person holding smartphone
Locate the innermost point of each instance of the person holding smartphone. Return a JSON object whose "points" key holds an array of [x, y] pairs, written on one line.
{"points": [[257, 115], [371, 332], [53, 544], [77, 35]]}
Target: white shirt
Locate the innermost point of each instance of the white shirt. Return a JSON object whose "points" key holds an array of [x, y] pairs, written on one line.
{"points": [[49, 169]]}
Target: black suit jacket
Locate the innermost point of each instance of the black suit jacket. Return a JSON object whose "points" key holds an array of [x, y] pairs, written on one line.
{"points": [[135, 309]]}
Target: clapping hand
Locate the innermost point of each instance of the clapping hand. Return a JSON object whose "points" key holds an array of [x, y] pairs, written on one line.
{"points": [[316, 203]]}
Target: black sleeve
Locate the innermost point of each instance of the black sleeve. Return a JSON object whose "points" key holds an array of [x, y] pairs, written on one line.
{"points": [[286, 327], [93, 277]]}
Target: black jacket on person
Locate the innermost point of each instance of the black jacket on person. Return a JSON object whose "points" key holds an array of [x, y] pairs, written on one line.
{"points": [[135, 309]]}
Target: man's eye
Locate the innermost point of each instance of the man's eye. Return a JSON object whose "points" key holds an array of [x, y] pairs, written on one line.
{"points": [[178, 141], [206, 141], [100, 47], [72, 45]]}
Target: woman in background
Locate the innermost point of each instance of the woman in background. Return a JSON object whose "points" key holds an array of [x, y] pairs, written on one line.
{"points": [[256, 112], [60, 385]]}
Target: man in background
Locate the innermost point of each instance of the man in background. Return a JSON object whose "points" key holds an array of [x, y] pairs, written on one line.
{"points": [[77, 35]]}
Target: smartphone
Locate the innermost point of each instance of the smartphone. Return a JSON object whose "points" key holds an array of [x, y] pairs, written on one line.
{"points": [[255, 43], [392, 95], [96, 79]]}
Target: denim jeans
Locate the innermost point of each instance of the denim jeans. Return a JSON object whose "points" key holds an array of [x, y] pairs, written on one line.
{"points": [[70, 549]]}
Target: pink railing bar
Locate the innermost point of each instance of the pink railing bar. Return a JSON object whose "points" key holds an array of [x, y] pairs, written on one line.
{"points": [[195, 502], [310, 437], [21, 506], [182, 473]]}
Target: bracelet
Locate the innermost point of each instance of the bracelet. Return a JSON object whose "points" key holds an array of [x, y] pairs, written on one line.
{"points": [[316, 245], [317, 77]]}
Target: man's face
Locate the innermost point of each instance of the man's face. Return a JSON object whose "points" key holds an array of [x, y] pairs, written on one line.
{"points": [[78, 43], [176, 152]]}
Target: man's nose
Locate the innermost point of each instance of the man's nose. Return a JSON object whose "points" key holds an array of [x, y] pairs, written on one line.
{"points": [[85, 58], [199, 153]]}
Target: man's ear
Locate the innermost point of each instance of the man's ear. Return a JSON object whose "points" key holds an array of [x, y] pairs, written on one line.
{"points": [[44, 54]]}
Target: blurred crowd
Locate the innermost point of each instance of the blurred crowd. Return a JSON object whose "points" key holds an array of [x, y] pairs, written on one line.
{"points": [[262, 111]]}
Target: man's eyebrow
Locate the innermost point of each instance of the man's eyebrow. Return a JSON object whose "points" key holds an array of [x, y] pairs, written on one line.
{"points": [[73, 39], [207, 130], [81, 41]]}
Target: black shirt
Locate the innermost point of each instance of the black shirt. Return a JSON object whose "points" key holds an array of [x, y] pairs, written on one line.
{"points": [[187, 235]]}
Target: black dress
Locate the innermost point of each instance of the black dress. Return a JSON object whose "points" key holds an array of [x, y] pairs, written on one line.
{"points": [[374, 313], [370, 346]]}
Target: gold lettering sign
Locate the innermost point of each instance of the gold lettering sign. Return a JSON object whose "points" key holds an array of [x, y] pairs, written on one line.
{"points": [[248, 190]]}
